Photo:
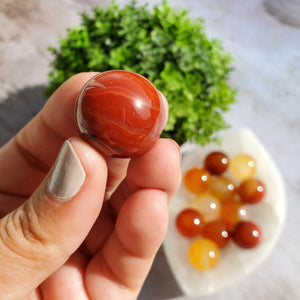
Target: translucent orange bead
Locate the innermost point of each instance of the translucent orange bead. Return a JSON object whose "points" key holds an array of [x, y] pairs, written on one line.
{"points": [[232, 212], [208, 206], [251, 191], [218, 232], [196, 180], [222, 187], [189, 222], [242, 166], [203, 254]]}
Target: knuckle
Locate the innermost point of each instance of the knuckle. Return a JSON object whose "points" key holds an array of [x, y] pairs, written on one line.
{"points": [[22, 234]]}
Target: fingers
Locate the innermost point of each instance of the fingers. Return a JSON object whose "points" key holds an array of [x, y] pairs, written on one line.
{"points": [[122, 265], [68, 282], [35, 147], [166, 107], [38, 237], [41, 234], [118, 167], [159, 168]]}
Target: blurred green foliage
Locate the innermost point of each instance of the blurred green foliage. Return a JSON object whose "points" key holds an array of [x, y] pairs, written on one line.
{"points": [[164, 45]]}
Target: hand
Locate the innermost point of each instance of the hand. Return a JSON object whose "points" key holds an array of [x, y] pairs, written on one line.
{"points": [[85, 226]]}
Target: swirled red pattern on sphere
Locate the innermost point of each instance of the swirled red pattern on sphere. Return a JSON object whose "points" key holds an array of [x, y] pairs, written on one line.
{"points": [[120, 113]]}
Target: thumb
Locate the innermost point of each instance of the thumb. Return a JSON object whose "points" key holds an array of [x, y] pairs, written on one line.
{"points": [[38, 237]]}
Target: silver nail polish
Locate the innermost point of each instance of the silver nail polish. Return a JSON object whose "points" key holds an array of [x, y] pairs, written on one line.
{"points": [[67, 174]]}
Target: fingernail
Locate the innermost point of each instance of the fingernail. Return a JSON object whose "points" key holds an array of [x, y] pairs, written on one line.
{"points": [[67, 175]]}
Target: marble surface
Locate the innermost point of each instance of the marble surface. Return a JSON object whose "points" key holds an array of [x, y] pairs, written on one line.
{"points": [[266, 73]]}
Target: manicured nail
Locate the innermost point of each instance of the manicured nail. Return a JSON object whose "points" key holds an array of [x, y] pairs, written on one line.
{"points": [[67, 175]]}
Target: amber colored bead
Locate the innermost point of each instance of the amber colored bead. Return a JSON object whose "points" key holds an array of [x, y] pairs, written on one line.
{"points": [[203, 254], [251, 191], [222, 187], [232, 212], [242, 166], [196, 180]]}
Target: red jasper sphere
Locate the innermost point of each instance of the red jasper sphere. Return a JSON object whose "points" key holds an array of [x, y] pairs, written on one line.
{"points": [[120, 113]]}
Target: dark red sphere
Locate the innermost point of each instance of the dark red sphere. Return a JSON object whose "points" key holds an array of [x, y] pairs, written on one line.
{"points": [[120, 113], [246, 234], [216, 162]]}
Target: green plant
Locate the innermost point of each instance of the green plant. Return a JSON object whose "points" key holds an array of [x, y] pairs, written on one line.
{"points": [[162, 44]]}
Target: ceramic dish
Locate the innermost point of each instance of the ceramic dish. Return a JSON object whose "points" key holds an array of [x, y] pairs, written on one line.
{"points": [[235, 262]]}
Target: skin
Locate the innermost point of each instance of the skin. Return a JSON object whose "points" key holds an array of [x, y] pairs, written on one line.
{"points": [[101, 243]]}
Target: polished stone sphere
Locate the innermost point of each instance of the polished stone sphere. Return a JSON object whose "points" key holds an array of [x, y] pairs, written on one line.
{"points": [[120, 113]]}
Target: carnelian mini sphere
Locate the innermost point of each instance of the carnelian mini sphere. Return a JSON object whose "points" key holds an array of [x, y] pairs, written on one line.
{"points": [[222, 187], [216, 162], [246, 234], [189, 222], [218, 232], [120, 113], [203, 254], [196, 180], [251, 191], [232, 212]]}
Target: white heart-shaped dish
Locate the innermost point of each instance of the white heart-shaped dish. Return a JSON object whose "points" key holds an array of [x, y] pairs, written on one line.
{"points": [[268, 214]]}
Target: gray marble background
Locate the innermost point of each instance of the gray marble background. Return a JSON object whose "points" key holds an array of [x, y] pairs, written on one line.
{"points": [[266, 48]]}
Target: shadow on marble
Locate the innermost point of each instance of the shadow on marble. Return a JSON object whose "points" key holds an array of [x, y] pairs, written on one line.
{"points": [[285, 11], [18, 109], [160, 283]]}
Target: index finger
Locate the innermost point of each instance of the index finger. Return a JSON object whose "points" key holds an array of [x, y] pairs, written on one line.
{"points": [[27, 157]]}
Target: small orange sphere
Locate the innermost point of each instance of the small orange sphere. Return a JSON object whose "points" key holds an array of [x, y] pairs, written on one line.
{"points": [[196, 180], [189, 222], [251, 191], [232, 212]]}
